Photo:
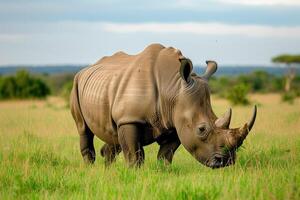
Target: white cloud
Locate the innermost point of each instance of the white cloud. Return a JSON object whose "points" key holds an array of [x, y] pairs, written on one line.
{"points": [[86, 42], [204, 29], [263, 2]]}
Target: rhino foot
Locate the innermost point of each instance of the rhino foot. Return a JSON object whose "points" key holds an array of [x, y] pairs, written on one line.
{"points": [[130, 143], [109, 152], [88, 156], [167, 149]]}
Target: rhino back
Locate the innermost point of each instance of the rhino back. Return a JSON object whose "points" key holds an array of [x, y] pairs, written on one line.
{"points": [[117, 90]]}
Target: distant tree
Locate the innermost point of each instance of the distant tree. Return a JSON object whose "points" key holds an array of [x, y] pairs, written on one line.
{"points": [[290, 61], [7, 87], [257, 81], [22, 86]]}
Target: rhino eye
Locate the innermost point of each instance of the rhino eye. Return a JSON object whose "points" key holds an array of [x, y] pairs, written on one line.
{"points": [[203, 131]]}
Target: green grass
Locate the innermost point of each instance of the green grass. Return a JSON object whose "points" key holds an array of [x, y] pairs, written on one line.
{"points": [[40, 159]]}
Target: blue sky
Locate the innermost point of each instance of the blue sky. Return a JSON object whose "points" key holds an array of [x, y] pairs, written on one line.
{"points": [[232, 32]]}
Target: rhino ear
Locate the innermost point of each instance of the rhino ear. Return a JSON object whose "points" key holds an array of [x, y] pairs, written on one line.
{"points": [[186, 69]]}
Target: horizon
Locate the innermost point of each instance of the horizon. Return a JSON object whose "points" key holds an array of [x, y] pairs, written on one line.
{"points": [[275, 65]]}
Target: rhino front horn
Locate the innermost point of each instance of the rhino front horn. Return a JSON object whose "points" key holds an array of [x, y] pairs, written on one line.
{"points": [[251, 122], [211, 68], [248, 126], [224, 121]]}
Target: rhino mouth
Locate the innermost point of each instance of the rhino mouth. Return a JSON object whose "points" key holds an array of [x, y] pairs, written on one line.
{"points": [[220, 160]]}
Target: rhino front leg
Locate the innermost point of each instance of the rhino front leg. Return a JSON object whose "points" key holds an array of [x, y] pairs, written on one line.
{"points": [[109, 152], [167, 150], [128, 136]]}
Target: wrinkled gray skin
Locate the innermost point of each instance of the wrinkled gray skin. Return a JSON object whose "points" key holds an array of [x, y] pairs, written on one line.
{"points": [[129, 101]]}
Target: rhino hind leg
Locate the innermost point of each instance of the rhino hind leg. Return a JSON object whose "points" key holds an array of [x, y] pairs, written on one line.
{"points": [[109, 152], [87, 147], [167, 149], [128, 136]]}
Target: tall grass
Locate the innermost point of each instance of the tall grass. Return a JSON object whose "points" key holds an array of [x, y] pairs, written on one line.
{"points": [[40, 159]]}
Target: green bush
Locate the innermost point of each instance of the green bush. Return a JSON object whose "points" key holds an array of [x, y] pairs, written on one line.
{"points": [[220, 85], [288, 97], [7, 87], [257, 81], [238, 94], [22, 86], [296, 86], [66, 90], [277, 84]]}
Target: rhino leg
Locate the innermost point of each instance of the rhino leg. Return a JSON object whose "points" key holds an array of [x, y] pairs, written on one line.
{"points": [[167, 149], [87, 147], [128, 136], [109, 152]]}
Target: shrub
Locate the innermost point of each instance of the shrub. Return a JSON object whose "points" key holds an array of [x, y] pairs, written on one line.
{"points": [[220, 85], [277, 84], [238, 94], [7, 87], [260, 81], [22, 86], [66, 91], [288, 97], [257, 81]]}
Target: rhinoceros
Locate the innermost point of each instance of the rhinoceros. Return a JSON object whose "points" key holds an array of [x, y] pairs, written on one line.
{"points": [[130, 101]]}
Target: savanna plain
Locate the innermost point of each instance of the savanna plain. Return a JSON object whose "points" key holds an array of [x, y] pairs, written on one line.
{"points": [[40, 158]]}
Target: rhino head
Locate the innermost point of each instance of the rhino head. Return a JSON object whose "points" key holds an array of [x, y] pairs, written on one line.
{"points": [[208, 138]]}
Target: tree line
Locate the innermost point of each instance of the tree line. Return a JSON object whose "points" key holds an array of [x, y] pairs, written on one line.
{"points": [[24, 85]]}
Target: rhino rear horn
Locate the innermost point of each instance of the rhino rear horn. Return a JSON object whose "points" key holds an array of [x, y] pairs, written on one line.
{"points": [[224, 121], [211, 68]]}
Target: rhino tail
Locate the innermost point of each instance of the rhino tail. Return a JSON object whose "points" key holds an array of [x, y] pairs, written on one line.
{"points": [[75, 106], [86, 136]]}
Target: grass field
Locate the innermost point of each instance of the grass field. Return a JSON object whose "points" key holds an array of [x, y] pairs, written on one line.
{"points": [[40, 159]]}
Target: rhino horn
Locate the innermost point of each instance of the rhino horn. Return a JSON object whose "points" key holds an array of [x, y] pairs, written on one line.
{"points": [[243, 131], [211, 68], [224, 121], [251, 122]]}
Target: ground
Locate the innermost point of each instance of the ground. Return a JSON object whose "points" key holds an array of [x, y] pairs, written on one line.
{"points": [[40, 158]]}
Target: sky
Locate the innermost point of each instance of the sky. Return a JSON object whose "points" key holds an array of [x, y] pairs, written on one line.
{"points": [[232, 32]]}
